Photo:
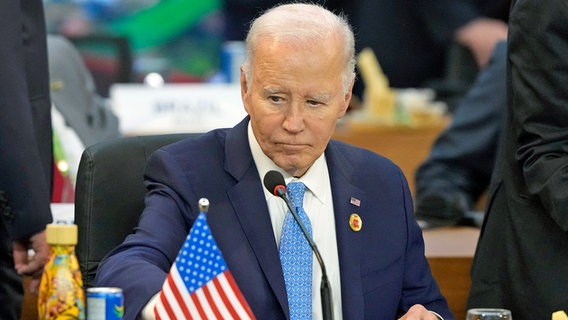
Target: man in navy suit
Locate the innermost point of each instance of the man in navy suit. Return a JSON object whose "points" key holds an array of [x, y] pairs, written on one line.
{"points": [[295, 84], [25, 144]]}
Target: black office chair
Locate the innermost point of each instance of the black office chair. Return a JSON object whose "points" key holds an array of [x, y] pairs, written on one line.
{"points": [[109, 195], [108, 57], [73, 93]]}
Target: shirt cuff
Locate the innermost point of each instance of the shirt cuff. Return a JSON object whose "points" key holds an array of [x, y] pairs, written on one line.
{"points": [[148, 311], [437, 315]]}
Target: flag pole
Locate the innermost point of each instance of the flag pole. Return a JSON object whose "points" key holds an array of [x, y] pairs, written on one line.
{"points": [[203, 205]]}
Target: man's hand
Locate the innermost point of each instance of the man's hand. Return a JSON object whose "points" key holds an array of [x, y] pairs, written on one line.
{"points": [[418, 312], [480, 36], [31, 266]]}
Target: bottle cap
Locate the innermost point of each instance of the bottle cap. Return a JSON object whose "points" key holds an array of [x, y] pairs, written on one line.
{"points": [[65, 234]]}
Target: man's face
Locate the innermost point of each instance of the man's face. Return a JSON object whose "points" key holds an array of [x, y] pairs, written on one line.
{"points": [[294, 99]]}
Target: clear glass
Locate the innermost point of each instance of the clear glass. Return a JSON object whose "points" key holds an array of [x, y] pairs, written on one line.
{"points": [[488, 314]]}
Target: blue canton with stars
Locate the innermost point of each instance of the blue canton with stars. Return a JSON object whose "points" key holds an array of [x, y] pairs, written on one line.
{"points": [[199, 259]]}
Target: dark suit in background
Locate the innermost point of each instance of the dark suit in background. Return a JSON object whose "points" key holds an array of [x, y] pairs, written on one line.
{"points": [[522, 254], [411, 37], [25, 138], [458, 169]]}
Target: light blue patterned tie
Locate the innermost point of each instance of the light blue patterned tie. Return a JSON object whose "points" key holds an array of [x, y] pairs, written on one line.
{"points": [[296, 256]]}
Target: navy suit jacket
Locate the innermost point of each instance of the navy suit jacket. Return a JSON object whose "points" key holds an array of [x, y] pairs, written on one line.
{"points": [[383, 267]]}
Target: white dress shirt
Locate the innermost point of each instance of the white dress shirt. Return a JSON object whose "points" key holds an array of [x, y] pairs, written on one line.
{"points": [[318, 204]]}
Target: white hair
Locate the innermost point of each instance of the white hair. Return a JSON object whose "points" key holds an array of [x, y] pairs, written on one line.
{"points": [[304, 23]]}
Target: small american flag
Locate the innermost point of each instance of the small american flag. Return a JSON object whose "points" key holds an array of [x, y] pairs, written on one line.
{"points": [[355, 201], [199, 285]]}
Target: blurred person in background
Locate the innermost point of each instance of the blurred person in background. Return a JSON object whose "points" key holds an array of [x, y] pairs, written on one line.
{"points": [[521, 257], [411, 38], [456, 174], [26, 143], [414, 40]]}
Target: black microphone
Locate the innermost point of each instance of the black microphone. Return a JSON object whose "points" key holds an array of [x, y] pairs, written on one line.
{"points": [[274, 182]]}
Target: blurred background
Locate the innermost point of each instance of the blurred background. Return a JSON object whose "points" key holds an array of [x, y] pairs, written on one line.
{"points": [[124, 40]]}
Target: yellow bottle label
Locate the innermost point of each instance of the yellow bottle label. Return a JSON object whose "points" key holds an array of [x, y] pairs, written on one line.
{"points": [[61, 294]]}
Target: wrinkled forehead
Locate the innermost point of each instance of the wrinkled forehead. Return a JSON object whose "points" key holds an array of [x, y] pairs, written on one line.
{"points": [[306, 70], [309, 45], [308, 53]]}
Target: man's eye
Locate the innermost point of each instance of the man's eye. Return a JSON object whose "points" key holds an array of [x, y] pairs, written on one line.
{"points": [[275, 99], [313, 103]]}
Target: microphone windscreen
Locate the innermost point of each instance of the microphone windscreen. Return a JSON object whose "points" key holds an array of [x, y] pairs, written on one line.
{"points": [[272, 180]]}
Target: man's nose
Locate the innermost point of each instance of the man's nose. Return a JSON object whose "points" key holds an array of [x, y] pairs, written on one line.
{"points": [[294, 119]]}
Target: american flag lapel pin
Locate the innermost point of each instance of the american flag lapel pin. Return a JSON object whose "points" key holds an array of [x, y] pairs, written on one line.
{"points": [[354, 201]]}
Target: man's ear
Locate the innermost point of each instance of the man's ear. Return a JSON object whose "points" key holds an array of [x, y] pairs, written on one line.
{"points": [[243, 80], [244, 87], [347, 99]]}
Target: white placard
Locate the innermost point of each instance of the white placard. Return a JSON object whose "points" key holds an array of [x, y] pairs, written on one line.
{"points": [[176, 108], [63, 212]]}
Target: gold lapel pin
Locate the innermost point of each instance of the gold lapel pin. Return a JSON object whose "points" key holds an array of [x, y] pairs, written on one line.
{"points": [[355, 222]]}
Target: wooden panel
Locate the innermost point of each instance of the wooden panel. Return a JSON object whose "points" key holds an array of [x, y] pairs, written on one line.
{"points": [[451, 242], [405, 146], [450, 253], [452, 275]]}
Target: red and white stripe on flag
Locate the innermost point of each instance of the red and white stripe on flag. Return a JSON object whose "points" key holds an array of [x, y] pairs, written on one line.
{"points": [[199, 284], [220, 298]]}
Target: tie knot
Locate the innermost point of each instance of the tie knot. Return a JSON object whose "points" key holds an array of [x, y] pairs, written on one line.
{"points": [[296, 191]]}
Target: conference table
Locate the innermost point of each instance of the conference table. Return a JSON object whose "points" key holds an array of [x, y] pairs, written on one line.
{"points": [[449, 250]]}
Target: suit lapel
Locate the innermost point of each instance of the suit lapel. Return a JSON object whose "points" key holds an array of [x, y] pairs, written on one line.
{"points": [[247, 197], [349, 243]]}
